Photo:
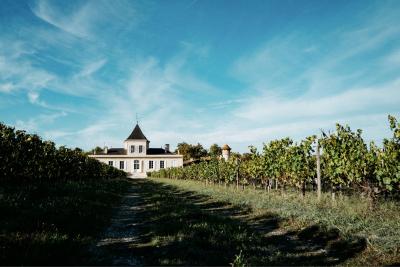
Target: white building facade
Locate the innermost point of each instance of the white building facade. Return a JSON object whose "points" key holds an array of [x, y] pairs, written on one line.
{"points": [[137, 158]]}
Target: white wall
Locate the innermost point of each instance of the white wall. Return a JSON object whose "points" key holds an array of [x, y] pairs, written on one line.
{"points": [[136, 143], [144, 163]]}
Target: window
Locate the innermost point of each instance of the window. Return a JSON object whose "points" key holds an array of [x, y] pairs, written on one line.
{"points": [[161, 164], [132, 149], [140, 149], [174, 163], [110, 163], [121, 165], [136, 164], [151, 164]]}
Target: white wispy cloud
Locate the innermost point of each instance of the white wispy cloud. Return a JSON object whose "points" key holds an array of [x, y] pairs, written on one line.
{"points": [[88, 19], [35, 124], [33, 97], [157, 92], [290, 93], [7, 87], [91, 68], [76, 23], [21, 75], [83, 137], [273, 108]]}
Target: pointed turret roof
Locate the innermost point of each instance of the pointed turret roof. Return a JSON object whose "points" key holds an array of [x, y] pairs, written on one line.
{"points": [[136, 134]]}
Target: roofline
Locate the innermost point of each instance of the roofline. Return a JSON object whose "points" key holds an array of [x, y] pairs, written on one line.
{"points": [[136, 132]]}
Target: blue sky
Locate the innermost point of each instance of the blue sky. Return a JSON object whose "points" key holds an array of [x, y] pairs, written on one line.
{"points": [[236, 72]]}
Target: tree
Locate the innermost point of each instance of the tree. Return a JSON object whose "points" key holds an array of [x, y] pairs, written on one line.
{"points": [[184, 149], [191, 151], [198, 151], [215, 150], [95, 150]]}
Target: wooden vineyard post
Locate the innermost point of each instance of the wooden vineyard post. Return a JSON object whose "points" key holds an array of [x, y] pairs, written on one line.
{"points": [[318, 172], [237, 173]]}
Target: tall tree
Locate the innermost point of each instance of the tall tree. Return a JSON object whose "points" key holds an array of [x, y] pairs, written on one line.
{"points": [[190, 151], [215, 150], [184, 149], [198, 151]]}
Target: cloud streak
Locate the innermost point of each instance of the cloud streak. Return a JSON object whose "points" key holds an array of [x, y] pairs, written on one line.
{"points": [[77, 23]]}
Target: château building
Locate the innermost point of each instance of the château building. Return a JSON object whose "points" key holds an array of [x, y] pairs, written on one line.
{"points": [[137, 158]]}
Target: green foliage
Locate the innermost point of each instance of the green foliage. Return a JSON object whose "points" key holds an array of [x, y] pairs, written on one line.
{"points": [[301, 163], [239, 260], [387, 169], [346, 161], [252, 165], [95, 150], [275, 155], [344, 154], [27, 157], [212, 171], [215, 150], [191, 151]]}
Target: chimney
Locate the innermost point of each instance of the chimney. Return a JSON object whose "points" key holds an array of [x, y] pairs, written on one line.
{"points": [[105, 150], [166, 148]]}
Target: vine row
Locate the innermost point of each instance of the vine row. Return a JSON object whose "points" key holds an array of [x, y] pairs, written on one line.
{"points": [[347, 162]]}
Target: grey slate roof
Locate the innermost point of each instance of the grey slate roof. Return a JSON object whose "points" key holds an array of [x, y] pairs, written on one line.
{"points": [[122, 151], [157, 151], [114, 151], [136, 134]]}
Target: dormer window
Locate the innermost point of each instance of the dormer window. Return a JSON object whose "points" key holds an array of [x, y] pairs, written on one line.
{"points": [[140, 149], [132, 149]]}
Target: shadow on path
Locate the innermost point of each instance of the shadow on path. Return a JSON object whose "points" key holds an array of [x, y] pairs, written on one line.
{"points": [[160, 224]]}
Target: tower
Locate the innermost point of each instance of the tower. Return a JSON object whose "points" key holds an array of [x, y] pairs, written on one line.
{"points": [[136, 143], [226, 152]]}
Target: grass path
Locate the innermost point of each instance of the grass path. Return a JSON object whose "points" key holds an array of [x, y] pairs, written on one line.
{"points": [[164, 224], [121, 231]]}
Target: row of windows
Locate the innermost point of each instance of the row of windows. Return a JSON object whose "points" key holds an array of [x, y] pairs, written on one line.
{"points": [[136, 164], [133, 149]]}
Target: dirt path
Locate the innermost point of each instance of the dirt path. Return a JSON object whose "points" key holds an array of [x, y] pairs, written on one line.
{"points": [[113, 247]]}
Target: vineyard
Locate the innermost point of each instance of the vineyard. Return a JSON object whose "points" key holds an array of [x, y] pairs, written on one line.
{"points": [[26, 157], [57, 202], [343, 160], [54, 202]]}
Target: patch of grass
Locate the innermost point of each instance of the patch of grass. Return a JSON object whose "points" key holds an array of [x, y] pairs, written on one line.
{"points": [[350, 218], [53, 224], [178, 225]]}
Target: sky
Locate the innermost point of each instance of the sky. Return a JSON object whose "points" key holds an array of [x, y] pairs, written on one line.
{"points": [[235, 72]]}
